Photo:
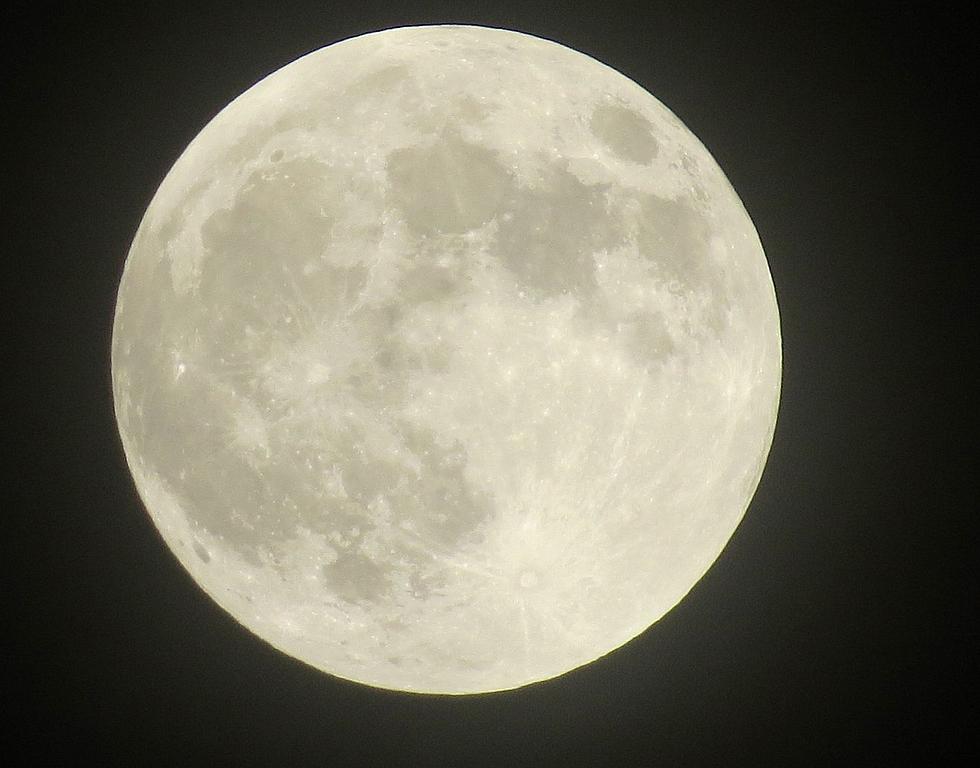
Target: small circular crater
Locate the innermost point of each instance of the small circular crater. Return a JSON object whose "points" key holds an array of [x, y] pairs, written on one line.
{"points": [[276, 156]]}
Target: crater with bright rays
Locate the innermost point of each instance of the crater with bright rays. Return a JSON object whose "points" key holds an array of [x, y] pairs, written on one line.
{"points": [[446, 359]]}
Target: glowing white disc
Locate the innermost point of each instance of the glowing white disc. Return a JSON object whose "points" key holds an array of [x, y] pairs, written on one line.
{"points": [[446, 359]]}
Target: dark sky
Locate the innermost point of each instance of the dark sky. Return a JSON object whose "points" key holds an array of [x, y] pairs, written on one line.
{"points": [[838, 623]]}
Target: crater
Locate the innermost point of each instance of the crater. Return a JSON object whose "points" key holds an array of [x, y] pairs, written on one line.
{"points": [[201, 552], [626, 133]]}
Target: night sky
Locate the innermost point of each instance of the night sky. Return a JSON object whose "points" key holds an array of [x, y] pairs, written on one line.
{"points": [[839, 624]]}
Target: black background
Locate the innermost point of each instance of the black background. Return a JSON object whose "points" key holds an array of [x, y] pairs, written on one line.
{"points": [[836, 625]]}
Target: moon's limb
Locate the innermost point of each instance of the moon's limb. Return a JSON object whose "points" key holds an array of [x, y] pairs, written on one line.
{"points": [[446, 359]]}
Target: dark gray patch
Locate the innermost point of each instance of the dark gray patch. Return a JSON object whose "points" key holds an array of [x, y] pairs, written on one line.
{"points": [[355, 578], [281, 216], [475, 664], [257, 250], [279, 222], [201, 552], [366, 478], [471, 111], [626, 133], [438, 357], [646, 337], [447, 506], [276, 156], [442, 506], [421, 587], [381, 81], [448, 187], [250, 556], [428, 282], [675, 239], [553, 231]]}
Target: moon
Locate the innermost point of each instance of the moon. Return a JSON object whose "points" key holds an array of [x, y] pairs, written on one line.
{"points": [[446, 359]]}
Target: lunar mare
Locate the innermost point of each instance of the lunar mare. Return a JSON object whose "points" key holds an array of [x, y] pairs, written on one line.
{"points": [[446, 359]]}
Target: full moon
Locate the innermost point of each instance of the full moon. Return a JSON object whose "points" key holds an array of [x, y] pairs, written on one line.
{"points": [[446, 359]]}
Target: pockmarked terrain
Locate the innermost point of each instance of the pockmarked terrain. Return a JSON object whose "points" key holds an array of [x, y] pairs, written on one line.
{"points": [[446, 359]]}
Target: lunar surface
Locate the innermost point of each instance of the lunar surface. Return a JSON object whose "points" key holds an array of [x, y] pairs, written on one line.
{"points": [[446, 359]]}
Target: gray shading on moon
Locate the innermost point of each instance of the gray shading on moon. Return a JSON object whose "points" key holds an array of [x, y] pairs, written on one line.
{"points": [[446, 359]]}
